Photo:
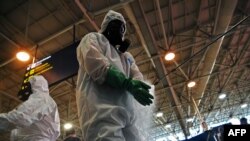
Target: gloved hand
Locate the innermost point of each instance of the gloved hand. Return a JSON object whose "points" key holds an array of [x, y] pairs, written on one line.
{"points": [[137, 88], [140, 92]]}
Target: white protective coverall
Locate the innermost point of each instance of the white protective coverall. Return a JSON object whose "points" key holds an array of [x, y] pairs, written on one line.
{"points": [[36, 119], [105, 113]]}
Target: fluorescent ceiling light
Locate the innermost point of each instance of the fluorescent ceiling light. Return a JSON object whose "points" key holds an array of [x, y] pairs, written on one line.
{"points": [[169, 56], [189, 119], [168, 125], [23, 56], [67, 126], [243, 105], [222, 96], [159, 114], [191, 84]]}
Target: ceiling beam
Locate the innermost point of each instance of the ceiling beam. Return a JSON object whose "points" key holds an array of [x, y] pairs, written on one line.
{"points": [[161, 70], [10, 96], [225, 16]]}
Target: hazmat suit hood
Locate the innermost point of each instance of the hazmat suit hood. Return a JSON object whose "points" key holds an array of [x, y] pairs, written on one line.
{"points": [[36, 85], [39, 85], [105, 113], [110, 16]]}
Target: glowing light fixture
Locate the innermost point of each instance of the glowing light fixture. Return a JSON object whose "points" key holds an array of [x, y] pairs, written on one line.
{"points": [[244, 105], [222, 96], [67, 126], [168, 125], [169, 56], [191, 84], [22, 56], [189, 119], [159, 114]]}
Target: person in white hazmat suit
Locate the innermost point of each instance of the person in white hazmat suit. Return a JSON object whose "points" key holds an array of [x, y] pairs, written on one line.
{"points": [[37, 118], [109, 84]]}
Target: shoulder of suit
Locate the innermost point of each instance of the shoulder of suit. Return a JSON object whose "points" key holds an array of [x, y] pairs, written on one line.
{"points": [[128, 55]]}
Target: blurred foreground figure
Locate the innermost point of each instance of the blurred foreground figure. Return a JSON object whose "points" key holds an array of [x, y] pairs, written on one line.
{"points": [[37, 118], [109, 84], [243, 121]]}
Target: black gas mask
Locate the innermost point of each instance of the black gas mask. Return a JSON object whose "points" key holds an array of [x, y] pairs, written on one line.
{"points": [[25, 91], [114, 33]]}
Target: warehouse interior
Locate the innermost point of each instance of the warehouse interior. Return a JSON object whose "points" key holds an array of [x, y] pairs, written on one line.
{"points": [[210, 39]]}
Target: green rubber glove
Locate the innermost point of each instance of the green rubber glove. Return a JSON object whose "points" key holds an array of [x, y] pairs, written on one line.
{"points": [[138, 89]]}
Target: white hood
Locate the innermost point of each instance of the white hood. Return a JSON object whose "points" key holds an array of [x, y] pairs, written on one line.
{"points": [[39, 85], [110, 16]]}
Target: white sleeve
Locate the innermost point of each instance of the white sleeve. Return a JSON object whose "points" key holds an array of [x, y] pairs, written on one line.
{"points": [[27, 113], [92, 59], [134, 70]]}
